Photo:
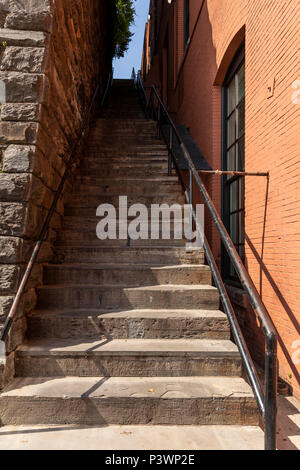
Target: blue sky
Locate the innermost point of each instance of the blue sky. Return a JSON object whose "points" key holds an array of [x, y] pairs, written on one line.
{"points": [[133, 58]]}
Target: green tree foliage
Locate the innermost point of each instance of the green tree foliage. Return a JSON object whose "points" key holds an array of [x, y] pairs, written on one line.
{"points": [[124, 17]]}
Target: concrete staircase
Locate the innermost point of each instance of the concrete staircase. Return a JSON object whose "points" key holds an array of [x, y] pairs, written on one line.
{"points": [[127, 335]]}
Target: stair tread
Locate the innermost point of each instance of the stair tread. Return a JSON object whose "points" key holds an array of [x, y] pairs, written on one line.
{"points": [[139, 347], [128, 266], [137, 313], [130, 387], [133, 437], [180, 249], [165, 288]]}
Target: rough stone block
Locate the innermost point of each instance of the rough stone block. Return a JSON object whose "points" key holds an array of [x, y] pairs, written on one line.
{"points": [[20, 112], [23, 59], [32, 15], [10, 249], [22, 87], [9, 275], [14, 187], [18, 132], [5, 304], [18, 159], [15, 37], [12, 218]]}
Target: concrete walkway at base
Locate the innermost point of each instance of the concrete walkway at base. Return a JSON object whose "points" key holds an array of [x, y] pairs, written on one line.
{"points": [[131, 438]]}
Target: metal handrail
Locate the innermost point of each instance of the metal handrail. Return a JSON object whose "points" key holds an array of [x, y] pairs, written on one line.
{"points": [[45, 228], [267, 398]]}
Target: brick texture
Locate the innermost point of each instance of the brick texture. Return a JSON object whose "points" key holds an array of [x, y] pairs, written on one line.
{"points": [[270, 29]]}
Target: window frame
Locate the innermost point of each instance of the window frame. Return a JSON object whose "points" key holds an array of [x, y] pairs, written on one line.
{"points": [[228, 271]]}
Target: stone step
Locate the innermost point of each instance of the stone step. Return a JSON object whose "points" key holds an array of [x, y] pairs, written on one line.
{"points": [[140, 183], [90, 237], [142, 437], [118, 123], [130, 149], [176, 226], [98, 161], [128, 358], [128, 324], [125, 132], [129, 400], [92, 253], [84, 206], [140, 139], [149, 186], [124, 114], [128, 155], [115, 171], [134, 275], [111, 297]]}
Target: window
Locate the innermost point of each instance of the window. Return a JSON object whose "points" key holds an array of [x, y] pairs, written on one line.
{"points": [[234, 159], [186, 22]]}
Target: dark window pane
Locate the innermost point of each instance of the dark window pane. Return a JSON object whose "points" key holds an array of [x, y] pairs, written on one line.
{"points": [[241, 83], [233, 197], [231, 97], [231, 133], [241, 154], [241, 228], [233, 228], [241, 119], [231, 160]]}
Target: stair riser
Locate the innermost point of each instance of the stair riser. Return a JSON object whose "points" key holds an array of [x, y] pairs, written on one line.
{"points": [[126, 172], [92, 203], [128, 411], [81, 225], [97, 327], [124, 365], [87, 208], [89, 297], [126, 139], [71, 237], [132, 277], [124, 114], [124, 156], [102, 134], [118, 150], [119, 125], [126, 188], [139, 256], [93, 180]]}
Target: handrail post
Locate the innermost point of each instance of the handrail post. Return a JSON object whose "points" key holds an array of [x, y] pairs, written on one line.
{"points": [[270, 392]]}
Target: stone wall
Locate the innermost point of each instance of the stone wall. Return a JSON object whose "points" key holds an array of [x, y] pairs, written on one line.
{"points": [[52, 56]]}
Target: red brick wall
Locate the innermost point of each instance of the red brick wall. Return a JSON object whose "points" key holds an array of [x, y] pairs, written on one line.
{"points": [[271, 31]]}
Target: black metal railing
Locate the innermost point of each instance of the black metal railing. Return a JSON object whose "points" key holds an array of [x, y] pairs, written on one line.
{"points": [[43, 234], [266, 396]]}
